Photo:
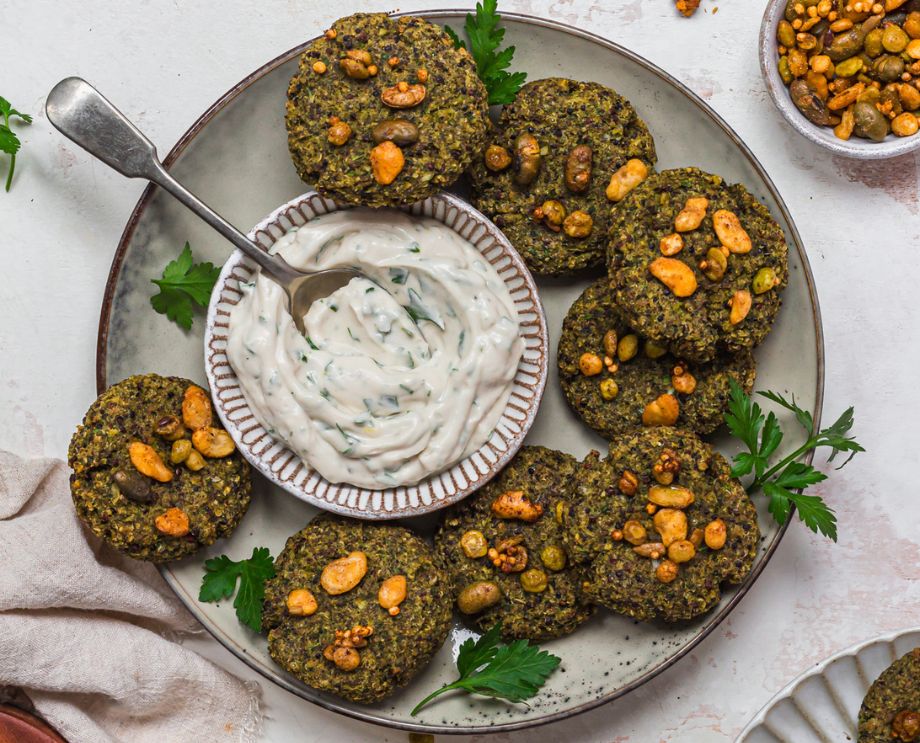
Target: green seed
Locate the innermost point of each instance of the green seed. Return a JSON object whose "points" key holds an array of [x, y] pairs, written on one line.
{"points": [[180, 451], [654, 351], [873, 43], [849, 67], [609, 389], [894, 39], [785, 33], [533, 580], [784, 72], [553, 557], [627, 347], [764, 280]]}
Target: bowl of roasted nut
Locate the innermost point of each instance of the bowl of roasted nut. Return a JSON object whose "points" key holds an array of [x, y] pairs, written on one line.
{"points": [[846, 73]]}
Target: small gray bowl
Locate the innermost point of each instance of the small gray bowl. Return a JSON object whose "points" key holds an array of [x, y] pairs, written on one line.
{"points": [[862, 149]]}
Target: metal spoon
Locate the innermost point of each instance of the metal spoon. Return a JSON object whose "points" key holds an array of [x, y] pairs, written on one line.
{"points": [[83, 114]]}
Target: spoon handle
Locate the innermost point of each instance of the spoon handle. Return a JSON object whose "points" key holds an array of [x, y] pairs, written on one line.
{"points": [[83, 114]]}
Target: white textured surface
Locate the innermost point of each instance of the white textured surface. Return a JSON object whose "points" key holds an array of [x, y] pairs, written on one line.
{"points": [[164, 63]]}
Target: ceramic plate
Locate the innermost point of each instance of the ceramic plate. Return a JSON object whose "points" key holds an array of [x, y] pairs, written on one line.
{"points": [[823, 703], [284, 468], [610, 655]]}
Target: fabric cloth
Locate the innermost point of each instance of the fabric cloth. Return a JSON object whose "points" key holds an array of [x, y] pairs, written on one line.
{"points": [[91, 635]]}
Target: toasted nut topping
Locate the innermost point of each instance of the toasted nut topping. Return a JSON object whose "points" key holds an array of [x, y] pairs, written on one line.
{"points": [[527, 159], [534, 580], [628, 483], [692, 215], [628, 347], [666, 571], [403, 95], [671, 524], [553, 557], [346, 659], [654, 550], [331, 34], [301, 603], [387, 162], [372, 70], [478, 596], [148, 462], [626, 179], [509, 555], [319, 67], [398, 131], [616, 535], [392, 593], [578, 224], [214, 443], [341, 575], [170, 428], [513, 504], [590, 364], [422, 75], [730, 232], [670, 496], [663, 411], [634, 532], [360, 55], [740, 303], [906, 726], [173, 522], [696, 538], [682, 381], [551, 213], [196, 408], [674, 274], [133, 486], [610, 343], [354, 69], [715, 534], [671, 244], [194, 461], [474, 544], [339, 133], [666, 467], [714, 265], [681, 551], [578, 168], [393, 61], [497, 158], [609, 388], [180, 451]]}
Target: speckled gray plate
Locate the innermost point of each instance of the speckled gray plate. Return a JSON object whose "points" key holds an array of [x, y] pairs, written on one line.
{"points": [[822, 704], [610, 655]]}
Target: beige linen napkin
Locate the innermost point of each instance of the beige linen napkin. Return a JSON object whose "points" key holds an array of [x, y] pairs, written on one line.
{"points": [[89, 634]]}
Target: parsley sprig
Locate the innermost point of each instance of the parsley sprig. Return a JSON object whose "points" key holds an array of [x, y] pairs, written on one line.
{"points": [[9, 141], [219, 582], [513, 672], [783, 482], [184, 284], [486, 37]]}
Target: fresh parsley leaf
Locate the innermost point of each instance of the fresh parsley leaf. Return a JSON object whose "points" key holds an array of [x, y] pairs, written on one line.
{"points": [[219, 582], [485, 36], [513, 672], [9, 140], [784, 481], [184, 284]]}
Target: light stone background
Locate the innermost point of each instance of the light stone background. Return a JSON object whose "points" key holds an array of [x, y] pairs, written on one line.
{"points": [[165, 62]]}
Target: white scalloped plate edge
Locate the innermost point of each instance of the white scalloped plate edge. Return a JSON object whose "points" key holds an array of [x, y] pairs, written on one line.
{"points": [[821, 705]]}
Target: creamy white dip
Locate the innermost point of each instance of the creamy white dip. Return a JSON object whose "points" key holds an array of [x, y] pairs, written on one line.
{"points": [[399, 377]]}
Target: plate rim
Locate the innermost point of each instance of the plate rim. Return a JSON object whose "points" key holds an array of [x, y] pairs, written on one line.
{"points": [[742, 590], [847, 652]]}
